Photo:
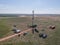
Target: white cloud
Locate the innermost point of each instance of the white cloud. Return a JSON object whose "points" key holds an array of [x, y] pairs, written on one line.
{"points": [[12, 9], [48, 11]]}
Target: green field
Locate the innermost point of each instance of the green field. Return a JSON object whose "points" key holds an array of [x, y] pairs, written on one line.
{"points": [[30, 39]]}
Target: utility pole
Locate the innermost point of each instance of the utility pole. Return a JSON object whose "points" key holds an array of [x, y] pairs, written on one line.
{"points": [[32, 17], [34, 25], [32, 21]]}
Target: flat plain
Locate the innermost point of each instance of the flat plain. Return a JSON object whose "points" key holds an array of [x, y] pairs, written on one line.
{"points": [[43, 22]]}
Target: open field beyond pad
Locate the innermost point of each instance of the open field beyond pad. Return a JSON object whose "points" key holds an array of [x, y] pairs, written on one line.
{"points": [[30, 39]]}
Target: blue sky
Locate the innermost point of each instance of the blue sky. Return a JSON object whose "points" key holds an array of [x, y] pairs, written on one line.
{"points": [[26, 6]]}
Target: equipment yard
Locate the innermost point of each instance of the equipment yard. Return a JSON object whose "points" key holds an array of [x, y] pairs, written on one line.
{"points": [[7, 37]]}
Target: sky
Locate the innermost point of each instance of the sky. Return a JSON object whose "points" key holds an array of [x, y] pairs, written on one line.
{"points": [[26, 6]]}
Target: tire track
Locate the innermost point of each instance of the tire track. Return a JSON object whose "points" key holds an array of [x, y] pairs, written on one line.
{"points": [[6, 38]]}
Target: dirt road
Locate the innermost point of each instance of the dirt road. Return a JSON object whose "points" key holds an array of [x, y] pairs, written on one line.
{"points": [[5, 38]]}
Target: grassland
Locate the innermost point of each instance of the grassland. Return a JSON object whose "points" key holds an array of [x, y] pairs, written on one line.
{"points": [[31, 39]]}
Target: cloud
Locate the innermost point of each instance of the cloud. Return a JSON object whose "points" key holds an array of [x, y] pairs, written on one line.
{"points": [[48, 11], [11, 9]]}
